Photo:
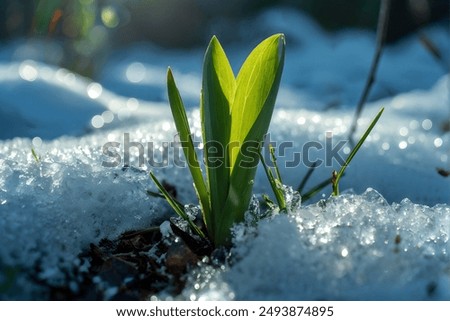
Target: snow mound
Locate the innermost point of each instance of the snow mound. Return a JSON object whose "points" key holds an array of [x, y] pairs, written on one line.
{"points": [[50, 211], [352, 247]]}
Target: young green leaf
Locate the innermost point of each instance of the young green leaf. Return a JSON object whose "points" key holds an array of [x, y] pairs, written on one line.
{"points": [[256, 90], [182, 125], [257, 87], [218, 89]]}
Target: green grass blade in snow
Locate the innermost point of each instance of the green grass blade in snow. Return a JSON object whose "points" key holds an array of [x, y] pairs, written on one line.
{"points": [[337, 177], [176, 206], [182, 125]]}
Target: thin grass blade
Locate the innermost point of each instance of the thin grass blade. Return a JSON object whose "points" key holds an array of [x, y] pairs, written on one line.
{"points": [[35, 155], [273, 158], [161, 195], [353, 152], [182, 125], [274, 183], [306, 177], [176, 206], [316, 189]]}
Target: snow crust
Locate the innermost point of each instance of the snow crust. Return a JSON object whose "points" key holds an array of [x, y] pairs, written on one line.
{"points": [[386, 238], [353, 247]]}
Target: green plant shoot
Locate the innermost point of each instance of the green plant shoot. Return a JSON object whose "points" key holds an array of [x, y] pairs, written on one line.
{"points": [[275, 180], [35, 155], [235, 116], [337, 175]]}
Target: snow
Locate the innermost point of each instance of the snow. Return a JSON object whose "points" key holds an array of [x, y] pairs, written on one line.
{"points": [[350, 248], [386, 237], [400, 157]]}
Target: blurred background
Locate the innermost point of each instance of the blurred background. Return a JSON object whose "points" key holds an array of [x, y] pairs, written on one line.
{"points": [[81, 33]]}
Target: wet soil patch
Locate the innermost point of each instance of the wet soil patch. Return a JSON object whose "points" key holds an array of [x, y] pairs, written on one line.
{"points": [[135, 266]]}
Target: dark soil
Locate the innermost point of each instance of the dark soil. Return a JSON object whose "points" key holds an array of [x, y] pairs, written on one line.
{"points": [[136, 266]]}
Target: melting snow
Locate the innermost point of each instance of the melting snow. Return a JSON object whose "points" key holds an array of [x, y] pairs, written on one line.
{"points": [[386, 238], [348, 248]]}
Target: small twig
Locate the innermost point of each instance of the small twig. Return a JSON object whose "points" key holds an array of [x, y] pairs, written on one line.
{"points": [[443, 60], [316, 189], [306, 177], [382, 27], [431, 47]]}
